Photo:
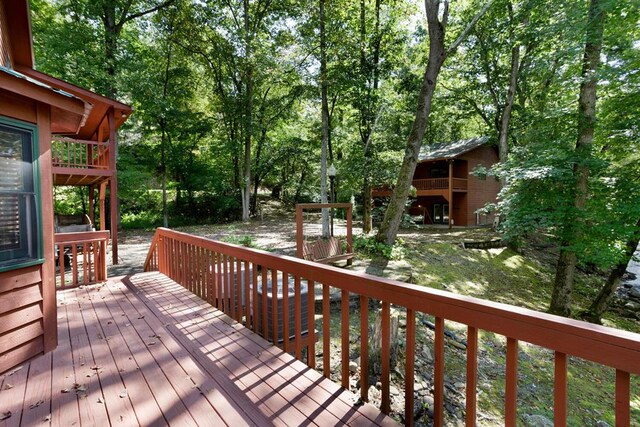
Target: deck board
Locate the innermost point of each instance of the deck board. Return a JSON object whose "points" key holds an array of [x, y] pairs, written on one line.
{"points": [[180, 361]]}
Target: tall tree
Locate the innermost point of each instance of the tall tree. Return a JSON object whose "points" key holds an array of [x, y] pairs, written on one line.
{"points": [[567, 260], [438, 53], [325, 118]]}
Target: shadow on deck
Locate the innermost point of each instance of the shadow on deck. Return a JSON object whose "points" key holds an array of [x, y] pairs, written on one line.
{"points": [[142, 350]]}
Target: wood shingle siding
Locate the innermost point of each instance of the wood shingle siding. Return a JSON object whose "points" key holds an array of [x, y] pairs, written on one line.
{"points": [[21, 326]]}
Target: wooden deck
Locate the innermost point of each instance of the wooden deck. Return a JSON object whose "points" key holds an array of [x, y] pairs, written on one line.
{"points": [[145, 351]]}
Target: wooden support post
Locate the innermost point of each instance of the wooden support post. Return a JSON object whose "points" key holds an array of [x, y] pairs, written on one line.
{"points": [[102, 194], [450, 194], [92, 208], [113, 185]]}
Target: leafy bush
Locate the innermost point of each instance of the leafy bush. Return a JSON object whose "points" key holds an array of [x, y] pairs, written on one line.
{"points": [[368, 245]]}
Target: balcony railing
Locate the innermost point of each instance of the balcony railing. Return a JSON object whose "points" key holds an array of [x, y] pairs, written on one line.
{"points": [[81, 258], [75, 153], [439, 184], [206, 268]]}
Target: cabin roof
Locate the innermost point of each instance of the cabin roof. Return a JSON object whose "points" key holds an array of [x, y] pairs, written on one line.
{"points": [[450, 150]]}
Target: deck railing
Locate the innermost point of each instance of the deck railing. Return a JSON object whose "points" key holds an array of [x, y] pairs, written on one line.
{"points": [[81, 258], [76, 153], [439, 184], [207, 267]]}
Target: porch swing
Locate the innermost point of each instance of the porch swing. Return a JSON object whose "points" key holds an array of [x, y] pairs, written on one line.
{"points": [[324, 250]]}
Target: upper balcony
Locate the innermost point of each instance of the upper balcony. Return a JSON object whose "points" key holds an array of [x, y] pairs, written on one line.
{"points": [[80, 162], [428, 187]]}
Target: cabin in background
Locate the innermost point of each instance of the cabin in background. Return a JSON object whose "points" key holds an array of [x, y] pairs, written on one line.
{"points": [[446, 187], [51, 133]]}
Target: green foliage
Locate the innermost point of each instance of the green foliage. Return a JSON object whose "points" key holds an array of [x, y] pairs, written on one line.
{"points": [[367, 245]]}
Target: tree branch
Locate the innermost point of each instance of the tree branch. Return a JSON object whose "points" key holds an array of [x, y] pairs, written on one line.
{"points": [[148, 11], [463, 35]]}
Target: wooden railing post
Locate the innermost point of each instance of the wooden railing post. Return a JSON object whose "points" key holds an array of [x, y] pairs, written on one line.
{"points": [[190, 260]]}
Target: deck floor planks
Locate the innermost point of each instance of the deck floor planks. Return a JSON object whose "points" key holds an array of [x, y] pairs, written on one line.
{"points": [[336, 399], [37, 403], [119, 408], [169, 401], [204, 369], [91, 407], [248, 396], [172, 358], [305, 391], [265, 369], [254, 385], [12, 395], [236, 412], [137, 390], [64, 406]]}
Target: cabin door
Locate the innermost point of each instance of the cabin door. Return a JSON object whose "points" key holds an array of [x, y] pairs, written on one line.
{"points": [[441, 213]]}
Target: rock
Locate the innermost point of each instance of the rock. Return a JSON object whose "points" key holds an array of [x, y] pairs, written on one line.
{"points": [[633, 306], [602, 424], [635, 292], [419, 385], [353, 367], [427, 401], [537, 421], [393, 390], [426, 354], [374, 393], [459, 386]]}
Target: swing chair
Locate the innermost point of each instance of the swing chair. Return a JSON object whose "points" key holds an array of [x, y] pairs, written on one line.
{"points": [[323, 250]]}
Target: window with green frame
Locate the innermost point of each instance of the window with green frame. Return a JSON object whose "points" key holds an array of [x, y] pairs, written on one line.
{"points": [[20, 233]]}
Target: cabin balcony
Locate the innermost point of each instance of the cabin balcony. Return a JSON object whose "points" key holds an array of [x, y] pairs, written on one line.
{"points": [[428, 187], [183, 344], [80, 162]]}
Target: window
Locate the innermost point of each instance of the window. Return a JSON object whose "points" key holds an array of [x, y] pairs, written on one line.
{"points": [[19, 216]]}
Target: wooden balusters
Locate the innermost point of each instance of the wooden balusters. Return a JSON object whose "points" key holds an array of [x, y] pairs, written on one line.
{"points": [[326, 331], [364, 348], [265, 302], [297, 308], [472, 375], [311, 340], [438, 374], [511, 383], [560, 390], [274, 306], [344, 337], [247, 294], [623, 397], [409, 364], [385, 405], [285, 312]]}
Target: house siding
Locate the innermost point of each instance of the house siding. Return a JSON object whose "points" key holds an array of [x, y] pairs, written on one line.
{"points": [[6, 59], [21, 316], [27, 295], [480, 191]]}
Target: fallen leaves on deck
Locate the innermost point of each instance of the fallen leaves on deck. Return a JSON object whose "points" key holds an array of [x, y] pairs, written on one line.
{"points": [[5, 415]]}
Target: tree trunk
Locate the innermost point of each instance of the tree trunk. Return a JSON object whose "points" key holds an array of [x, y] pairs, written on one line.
{"points": [[325, 120], [366, 112], [602, 301], [248, 116], [437, 55], [163, 166], [563, 284], [505, 118]]}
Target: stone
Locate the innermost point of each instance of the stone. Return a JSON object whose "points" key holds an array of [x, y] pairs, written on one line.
{"points": [[537, 421], [374, 393], [427, 401], [602, 424], [635, 292], [393, 390], [633, 306], [353, 367]]}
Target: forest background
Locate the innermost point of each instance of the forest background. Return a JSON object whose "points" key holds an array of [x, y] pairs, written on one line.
{"points": [[233, 99]]}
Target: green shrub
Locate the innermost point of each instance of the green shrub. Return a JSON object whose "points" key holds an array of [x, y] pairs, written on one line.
{"points": [[367, 244]]}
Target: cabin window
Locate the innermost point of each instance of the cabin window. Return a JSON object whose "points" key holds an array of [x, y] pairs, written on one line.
{"points": [[19, 202]]}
